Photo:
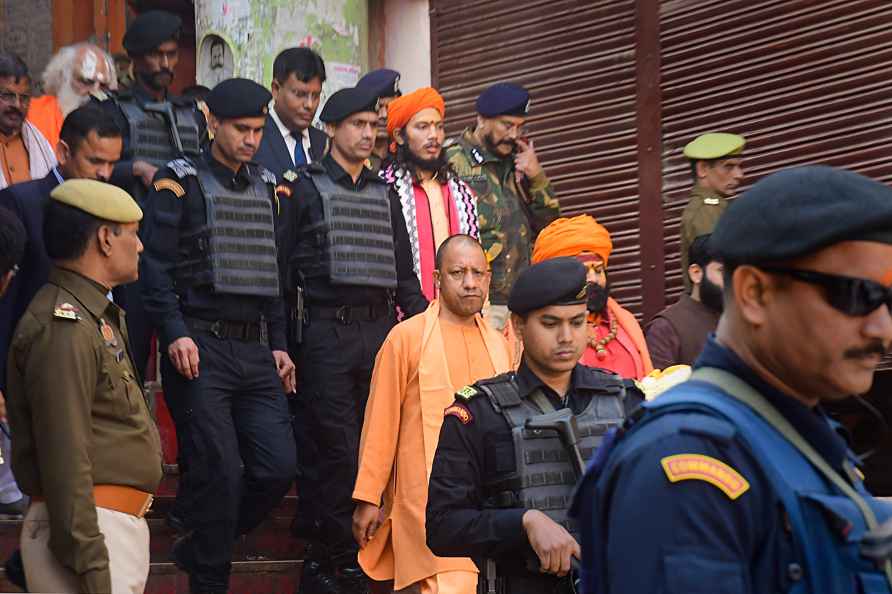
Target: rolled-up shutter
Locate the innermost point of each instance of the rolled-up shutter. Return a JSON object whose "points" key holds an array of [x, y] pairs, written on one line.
{"points": [[577, 58]]}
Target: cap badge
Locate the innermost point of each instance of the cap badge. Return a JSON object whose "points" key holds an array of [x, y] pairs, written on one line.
{"points": [[396, 84]]}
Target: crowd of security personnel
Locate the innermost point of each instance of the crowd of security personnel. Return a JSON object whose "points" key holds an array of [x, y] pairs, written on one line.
{"points": [[271, 260]]}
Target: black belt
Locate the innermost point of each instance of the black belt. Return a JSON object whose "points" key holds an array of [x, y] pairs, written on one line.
{"points": [[346, 314], [225, 329]]}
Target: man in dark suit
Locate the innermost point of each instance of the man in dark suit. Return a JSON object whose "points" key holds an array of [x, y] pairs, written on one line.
{"points": [[89, 146], [289, 138]]}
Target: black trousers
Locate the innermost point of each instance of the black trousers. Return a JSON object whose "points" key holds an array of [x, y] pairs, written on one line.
{"points": [[237, 449], [335, 363]]}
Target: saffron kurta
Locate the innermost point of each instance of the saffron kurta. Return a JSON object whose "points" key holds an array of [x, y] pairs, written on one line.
{"points": [[420, 366]]}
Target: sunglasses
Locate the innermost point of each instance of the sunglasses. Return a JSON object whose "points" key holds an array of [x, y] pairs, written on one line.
{"points": [[852, 296]]}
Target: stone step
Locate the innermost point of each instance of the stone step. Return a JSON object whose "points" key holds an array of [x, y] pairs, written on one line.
{"points": [[248, 577]]}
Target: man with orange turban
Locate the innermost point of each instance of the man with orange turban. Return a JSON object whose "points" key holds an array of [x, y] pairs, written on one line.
{"points": [[436, 203], [616, 341]]}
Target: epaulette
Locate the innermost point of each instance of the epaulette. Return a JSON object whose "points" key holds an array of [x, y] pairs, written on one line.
{"points": [[66, 311], [467, 393], [314, 167], [182, 168], [501, 390], [266, 175]]}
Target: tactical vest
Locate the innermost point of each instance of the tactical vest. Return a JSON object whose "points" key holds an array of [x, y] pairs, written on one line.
{"points": [[826, 525], [544, 476], [235, 251], [353, 243], [150, 133]]}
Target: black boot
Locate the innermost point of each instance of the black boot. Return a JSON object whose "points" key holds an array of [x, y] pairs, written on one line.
{"points": [[317, 576], [352, 580]]}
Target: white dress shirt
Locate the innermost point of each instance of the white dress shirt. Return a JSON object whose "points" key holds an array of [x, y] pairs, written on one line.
{"points": [[290, 140]]}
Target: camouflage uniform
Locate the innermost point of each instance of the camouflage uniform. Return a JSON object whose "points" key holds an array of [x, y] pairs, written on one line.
{"points": [[698, 218], [507, 232]]}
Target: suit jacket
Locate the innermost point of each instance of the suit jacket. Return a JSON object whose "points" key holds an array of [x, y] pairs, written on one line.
{"points": [[28, 201], [273, 152]]}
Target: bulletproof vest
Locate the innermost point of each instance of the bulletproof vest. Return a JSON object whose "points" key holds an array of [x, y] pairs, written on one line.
{"points": [[544, 475], [235, 251], [353, 243], [150, 133]]}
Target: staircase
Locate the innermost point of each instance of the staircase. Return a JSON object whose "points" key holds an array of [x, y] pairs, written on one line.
{"points": [[267, 561]]}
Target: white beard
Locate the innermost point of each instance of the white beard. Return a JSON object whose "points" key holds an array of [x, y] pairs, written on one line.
{"points": [[69, 100]]}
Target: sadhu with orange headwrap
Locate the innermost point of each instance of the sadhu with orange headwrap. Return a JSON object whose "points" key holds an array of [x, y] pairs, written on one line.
{"points": [[616, 341], [436, 203]]}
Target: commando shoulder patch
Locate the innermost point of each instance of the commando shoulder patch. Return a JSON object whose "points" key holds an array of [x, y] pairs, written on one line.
{"points": [[697, 467], [460, 412], [169, 184]]}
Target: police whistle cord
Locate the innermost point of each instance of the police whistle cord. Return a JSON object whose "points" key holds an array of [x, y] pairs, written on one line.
{"points": [[734, 386]]}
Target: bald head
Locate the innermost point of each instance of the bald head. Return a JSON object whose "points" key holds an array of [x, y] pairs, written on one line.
{"points": [[453, 242]]}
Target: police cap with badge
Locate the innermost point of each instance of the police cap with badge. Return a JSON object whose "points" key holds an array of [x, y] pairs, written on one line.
{"points": [[238, 98], [344, 103], [151, 29], [504, 99], [558, 281], [383, 82]]}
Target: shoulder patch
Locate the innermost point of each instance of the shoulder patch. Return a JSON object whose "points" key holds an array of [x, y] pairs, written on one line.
{"points": [[182, 168], [283, 191], [66, 311], [467, 393], [169, 184], [290, 175], [477, 155], [460, 412], [697, 467]]}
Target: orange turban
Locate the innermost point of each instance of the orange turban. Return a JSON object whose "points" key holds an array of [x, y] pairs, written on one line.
{"points": [[571, 237], [401, 109]]}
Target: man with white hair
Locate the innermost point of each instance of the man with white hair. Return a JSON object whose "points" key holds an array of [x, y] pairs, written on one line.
{"points": [[74, 74]]}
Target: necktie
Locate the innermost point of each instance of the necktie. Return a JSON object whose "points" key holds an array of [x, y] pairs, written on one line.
{"points": [[299, 157]]}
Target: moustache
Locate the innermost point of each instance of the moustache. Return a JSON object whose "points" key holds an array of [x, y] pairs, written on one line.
{"points": [[162, 72], [14, 111], [435, 145], [875, 348]]}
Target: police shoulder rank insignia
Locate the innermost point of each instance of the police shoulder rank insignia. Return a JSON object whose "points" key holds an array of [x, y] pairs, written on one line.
{"points": [[108, 334], [66, 311], [268, 176], [290, 175], [467, 393], [182, 168], [460, 412], [711, 201], [697, 467], [477, 155], [169, 184]]}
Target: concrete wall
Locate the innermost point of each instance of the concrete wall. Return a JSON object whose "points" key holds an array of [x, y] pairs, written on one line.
{"points": [[242, 37], [407, 41]]}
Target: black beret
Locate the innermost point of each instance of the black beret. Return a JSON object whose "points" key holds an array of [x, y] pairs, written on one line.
{"points": [[383, 82], [151, 29], [558, 281], [798, 211], [503, 99], [346, 102], [238, 98]]}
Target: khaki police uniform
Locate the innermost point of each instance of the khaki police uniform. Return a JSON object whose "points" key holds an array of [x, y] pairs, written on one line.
{"points": [[86, 449]]}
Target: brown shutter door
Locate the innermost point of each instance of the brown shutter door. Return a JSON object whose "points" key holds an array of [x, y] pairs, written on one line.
{"points": [[577, 58], [804, 81]]}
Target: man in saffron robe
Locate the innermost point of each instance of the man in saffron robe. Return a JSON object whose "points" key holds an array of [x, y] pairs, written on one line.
{"points": [[616, 341], [436, 202], [421, 365]]}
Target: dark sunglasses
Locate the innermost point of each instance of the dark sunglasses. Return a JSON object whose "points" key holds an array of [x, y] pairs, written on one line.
{"points": [[852, 296]]}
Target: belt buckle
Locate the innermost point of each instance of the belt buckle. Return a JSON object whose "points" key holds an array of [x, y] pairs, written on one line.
{"points": [[146, 506], [217, 329], [343, 314]]}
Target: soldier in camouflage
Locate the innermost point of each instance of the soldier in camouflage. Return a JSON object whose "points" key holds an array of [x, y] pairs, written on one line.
{"points": [[514, 197]]}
